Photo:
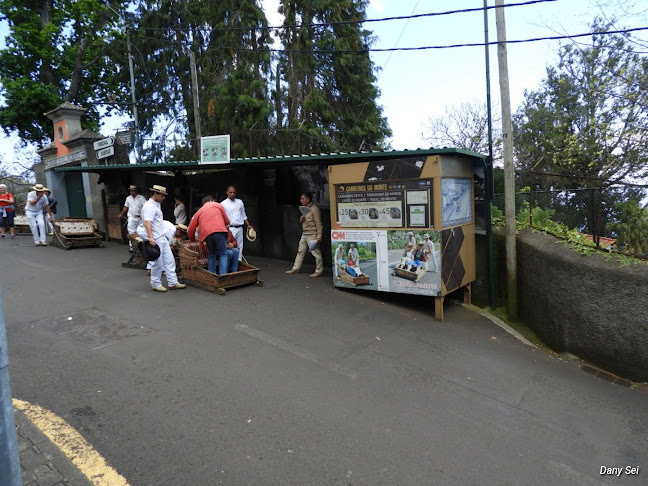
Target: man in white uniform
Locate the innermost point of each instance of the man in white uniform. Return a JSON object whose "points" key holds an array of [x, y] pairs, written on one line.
{"points": [[133, 205], [339, 258], [235, 210], [428, 247], [37, 203], [154, 229]]}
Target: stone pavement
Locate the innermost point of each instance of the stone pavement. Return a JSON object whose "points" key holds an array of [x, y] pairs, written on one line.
{"points": [[41, 462]]}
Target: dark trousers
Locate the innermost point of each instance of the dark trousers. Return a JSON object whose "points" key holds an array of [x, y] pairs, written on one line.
{"points": [[217, 247]]}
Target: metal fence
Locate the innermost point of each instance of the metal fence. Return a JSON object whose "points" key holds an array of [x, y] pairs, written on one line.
{"points": [[581, 209]]}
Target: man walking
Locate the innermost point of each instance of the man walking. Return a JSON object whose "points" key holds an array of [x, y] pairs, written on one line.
{"points": [[133, 205], [155, 231], [212, 221], [37, 204], [311, 237], [235, 210]]}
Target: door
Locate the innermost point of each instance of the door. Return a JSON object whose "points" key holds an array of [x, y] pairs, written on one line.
{"points": [[75, 195]]}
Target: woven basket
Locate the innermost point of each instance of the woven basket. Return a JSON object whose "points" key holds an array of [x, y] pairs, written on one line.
{"points": [[194, 271]]}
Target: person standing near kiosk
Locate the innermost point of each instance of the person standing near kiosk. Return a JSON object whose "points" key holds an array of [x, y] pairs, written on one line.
{"points": [[311, 237], [235, 210]]}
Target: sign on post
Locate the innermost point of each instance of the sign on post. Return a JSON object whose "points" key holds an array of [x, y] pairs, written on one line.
{"points": [[215, 150], [106, 152], [101, 144]]}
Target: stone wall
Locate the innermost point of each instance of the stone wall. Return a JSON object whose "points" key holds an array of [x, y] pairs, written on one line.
{"points": [[590, 306]]}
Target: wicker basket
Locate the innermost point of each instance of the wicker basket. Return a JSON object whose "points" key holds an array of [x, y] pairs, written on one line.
{"points": [[195, 273]]}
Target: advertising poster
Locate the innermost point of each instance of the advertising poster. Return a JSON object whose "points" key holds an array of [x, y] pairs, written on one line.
{"points": [[393, 204], [380, 260], [456, 200]]}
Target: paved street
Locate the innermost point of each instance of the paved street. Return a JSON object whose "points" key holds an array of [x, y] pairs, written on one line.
{"points": [[298, 383]]}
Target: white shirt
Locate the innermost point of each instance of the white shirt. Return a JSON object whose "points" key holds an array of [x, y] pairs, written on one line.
{"points": [[151, 211], [169, 230], [180, 214], [134, 205], [353, 254], [235, 211], [339, 254], [39, 206]]}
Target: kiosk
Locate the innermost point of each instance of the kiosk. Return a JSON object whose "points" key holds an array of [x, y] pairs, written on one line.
{"points": [[378, 207]]}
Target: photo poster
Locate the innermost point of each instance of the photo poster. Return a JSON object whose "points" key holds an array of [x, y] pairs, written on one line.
{"points": [[456, 201], [380, 253], [391, 204], [215, 150]]}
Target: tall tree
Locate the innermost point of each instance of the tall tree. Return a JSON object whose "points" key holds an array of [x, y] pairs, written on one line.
{"points": [[56, 51], [326, 98], [230, 44], [588, 123]]}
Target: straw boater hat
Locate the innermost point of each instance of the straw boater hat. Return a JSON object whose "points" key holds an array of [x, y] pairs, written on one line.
{"points": [[133, 188], [39, 188], [45, 189], [410, 234], [250, 234], [426, 236], [182, 227], [158, 189]]}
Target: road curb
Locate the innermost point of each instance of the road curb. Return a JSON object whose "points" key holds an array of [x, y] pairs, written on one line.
{"points": [[500, 323]]}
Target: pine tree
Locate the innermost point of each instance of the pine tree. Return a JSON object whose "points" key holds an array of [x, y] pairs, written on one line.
{"points": [[326, 99]]}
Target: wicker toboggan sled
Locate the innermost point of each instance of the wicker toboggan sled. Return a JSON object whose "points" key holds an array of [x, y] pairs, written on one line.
{"points": [[193, 261]]}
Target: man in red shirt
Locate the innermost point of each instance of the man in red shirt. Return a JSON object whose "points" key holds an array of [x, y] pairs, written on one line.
{"points": [[212, 221]]}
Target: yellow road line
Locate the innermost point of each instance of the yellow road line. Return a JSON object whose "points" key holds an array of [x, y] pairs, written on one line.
{"points": [[72, 444]]}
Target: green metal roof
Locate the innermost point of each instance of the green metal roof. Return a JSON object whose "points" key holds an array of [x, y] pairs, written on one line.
{"points": [[279, 160]]}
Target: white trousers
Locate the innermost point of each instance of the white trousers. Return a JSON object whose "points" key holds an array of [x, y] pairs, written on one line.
{"points": [[238, 234], [166, 263], [37, 226]]}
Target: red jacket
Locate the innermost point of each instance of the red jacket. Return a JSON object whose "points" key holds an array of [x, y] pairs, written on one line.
{"points": [[210, 218]]}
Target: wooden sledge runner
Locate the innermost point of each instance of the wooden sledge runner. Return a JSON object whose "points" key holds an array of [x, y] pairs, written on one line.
{"points": [[195, 273], [362, 279]]}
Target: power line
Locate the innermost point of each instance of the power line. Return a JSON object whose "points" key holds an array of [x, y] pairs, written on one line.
{"points": [[350, 22], [420, 48]]}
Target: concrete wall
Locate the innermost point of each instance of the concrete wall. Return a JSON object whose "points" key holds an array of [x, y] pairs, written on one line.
{"points": [[590, 306]]}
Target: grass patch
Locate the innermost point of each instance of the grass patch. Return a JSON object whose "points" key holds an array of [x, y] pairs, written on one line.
{"points": [[521, 328]]}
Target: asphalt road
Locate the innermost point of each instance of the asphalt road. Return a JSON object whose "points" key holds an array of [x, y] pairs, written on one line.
{"points": [[297, 383]]}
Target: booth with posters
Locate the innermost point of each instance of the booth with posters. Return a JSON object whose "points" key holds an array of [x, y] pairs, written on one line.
{"points": [[379, 207]]}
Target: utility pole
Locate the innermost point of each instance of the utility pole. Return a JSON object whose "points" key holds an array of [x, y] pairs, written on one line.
{"points": [[10, 474], [509, 169], [488, 176], [194, 92], [133, 98]]}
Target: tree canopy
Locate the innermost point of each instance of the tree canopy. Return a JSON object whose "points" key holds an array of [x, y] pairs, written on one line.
{"points": [[56, 52], [76, 50], [588, 123]]}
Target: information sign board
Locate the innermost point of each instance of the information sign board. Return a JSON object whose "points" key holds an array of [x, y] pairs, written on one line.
{"points": [[215, 150]]}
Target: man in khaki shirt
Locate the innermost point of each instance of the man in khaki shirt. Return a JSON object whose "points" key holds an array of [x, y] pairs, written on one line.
{"points": [[311, 234]]}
